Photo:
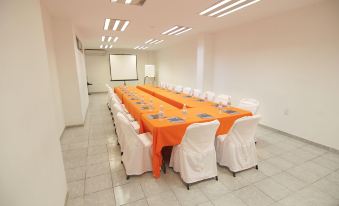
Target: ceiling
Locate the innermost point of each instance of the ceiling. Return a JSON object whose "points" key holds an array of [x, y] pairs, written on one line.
{"points": [[156, 16]]}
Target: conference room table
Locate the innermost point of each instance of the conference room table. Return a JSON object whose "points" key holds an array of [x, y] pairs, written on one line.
{"points": [[169, 130]]}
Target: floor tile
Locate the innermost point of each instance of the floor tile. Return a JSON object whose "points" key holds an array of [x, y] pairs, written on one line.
{"points": [[97, 169], [75, 189], [75, 174], [163, 199], [253, 196], [228, 200], [79, 201], [273, 189], [309, 172], [98, 158], [154, 186], [189, 197], [142, 202], [98, 183], [128, 193], [268, 169], [328, 187], [101, 198], [289, 181], [213, 189], [93, 150]]}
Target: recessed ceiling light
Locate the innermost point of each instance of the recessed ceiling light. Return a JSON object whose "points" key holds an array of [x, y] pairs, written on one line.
{"points": [[103, 38], [111, 46], [177, 30], [129, 2], [159, 42], [101, 46], [107, 21], [238, 8], [188, 29], [171, 29], [227, 7], [116, 39], [125, 26], [109, 39], [148, 41], [214, 6], [116, 24], [137, 47]]}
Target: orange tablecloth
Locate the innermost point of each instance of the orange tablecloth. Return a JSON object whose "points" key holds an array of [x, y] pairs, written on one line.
{"points": [[176, 99], [166, 133]]}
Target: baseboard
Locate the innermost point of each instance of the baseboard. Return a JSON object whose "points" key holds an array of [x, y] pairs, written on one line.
{"points": [[66, 198], [330, 149]]}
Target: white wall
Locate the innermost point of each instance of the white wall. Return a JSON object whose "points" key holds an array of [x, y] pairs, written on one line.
{"points": [[98, 68], [289, 62], [177, 64], [47, 22], [71, 72], [32, 172]]}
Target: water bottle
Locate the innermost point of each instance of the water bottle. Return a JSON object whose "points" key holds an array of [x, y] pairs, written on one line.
{"points": [[184, 109], [220, 107], [161, 112], [229, 103]]}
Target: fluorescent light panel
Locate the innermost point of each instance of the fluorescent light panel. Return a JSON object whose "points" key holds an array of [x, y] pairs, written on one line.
{"points": [[226, 7], [159, 42], [101, 46], [176, 30], [109, 39], [111, 46], [238, 8], [214, 6], [116, 39], [128, 1], [116, 24], [188, 29]]}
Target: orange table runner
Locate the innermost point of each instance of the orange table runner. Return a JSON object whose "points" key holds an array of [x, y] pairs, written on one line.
{"points": [[166, 133]]}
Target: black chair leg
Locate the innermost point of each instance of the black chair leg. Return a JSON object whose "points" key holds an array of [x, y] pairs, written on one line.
{"points": [[163, 166], [127, 177], [233, 174], [256, 167], [188, 186], [216, 178]]}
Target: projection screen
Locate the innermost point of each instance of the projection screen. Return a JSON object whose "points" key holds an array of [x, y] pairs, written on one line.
{"points": [[123, 67]]}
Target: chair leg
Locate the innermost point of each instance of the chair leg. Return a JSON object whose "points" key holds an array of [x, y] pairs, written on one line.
{"points": [[256, 167], [163, 166], [216, 178], [233, 174], [127, 177], [188, 186], [121, 153]]}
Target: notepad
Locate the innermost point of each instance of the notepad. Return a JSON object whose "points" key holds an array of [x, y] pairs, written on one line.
{"points": [[133, 98], [204, 116], [175, 120], [145, 107], [200, 100], [187, 96], [153, 116], [138, 103], [230, 112]]}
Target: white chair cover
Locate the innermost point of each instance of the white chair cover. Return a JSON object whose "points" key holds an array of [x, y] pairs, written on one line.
{"points": [[134, 123], [210, 95], [196, 93], [109, 91], [178, 88], [195, 157], [251, 105], [236, 150], [137, 157], [187, 90], [223, 99]]}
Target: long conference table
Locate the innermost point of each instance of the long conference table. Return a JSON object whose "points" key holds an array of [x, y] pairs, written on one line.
{"points": [[165, 132]]}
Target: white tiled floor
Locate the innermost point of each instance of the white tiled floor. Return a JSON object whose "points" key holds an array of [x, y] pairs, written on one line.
{"points": [[290, 172]]}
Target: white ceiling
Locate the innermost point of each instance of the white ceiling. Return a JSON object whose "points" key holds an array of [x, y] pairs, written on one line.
{"points": [[156, 16]]}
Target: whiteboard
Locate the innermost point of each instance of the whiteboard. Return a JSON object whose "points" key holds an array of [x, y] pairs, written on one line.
{"points": [[149, 70], [123, 67]]}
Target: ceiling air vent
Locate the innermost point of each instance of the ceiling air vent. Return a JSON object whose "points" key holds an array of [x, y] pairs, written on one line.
{"points": [[129, 2]]}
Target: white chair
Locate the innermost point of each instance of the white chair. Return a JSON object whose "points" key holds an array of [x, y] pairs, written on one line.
{"points": [[195, 156], [137, 157], [117, 108], [209, 95], [196, 93], [251, 105], [236, 150], [109, 91], [223, 99], [178, 88], [187, 90]]}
